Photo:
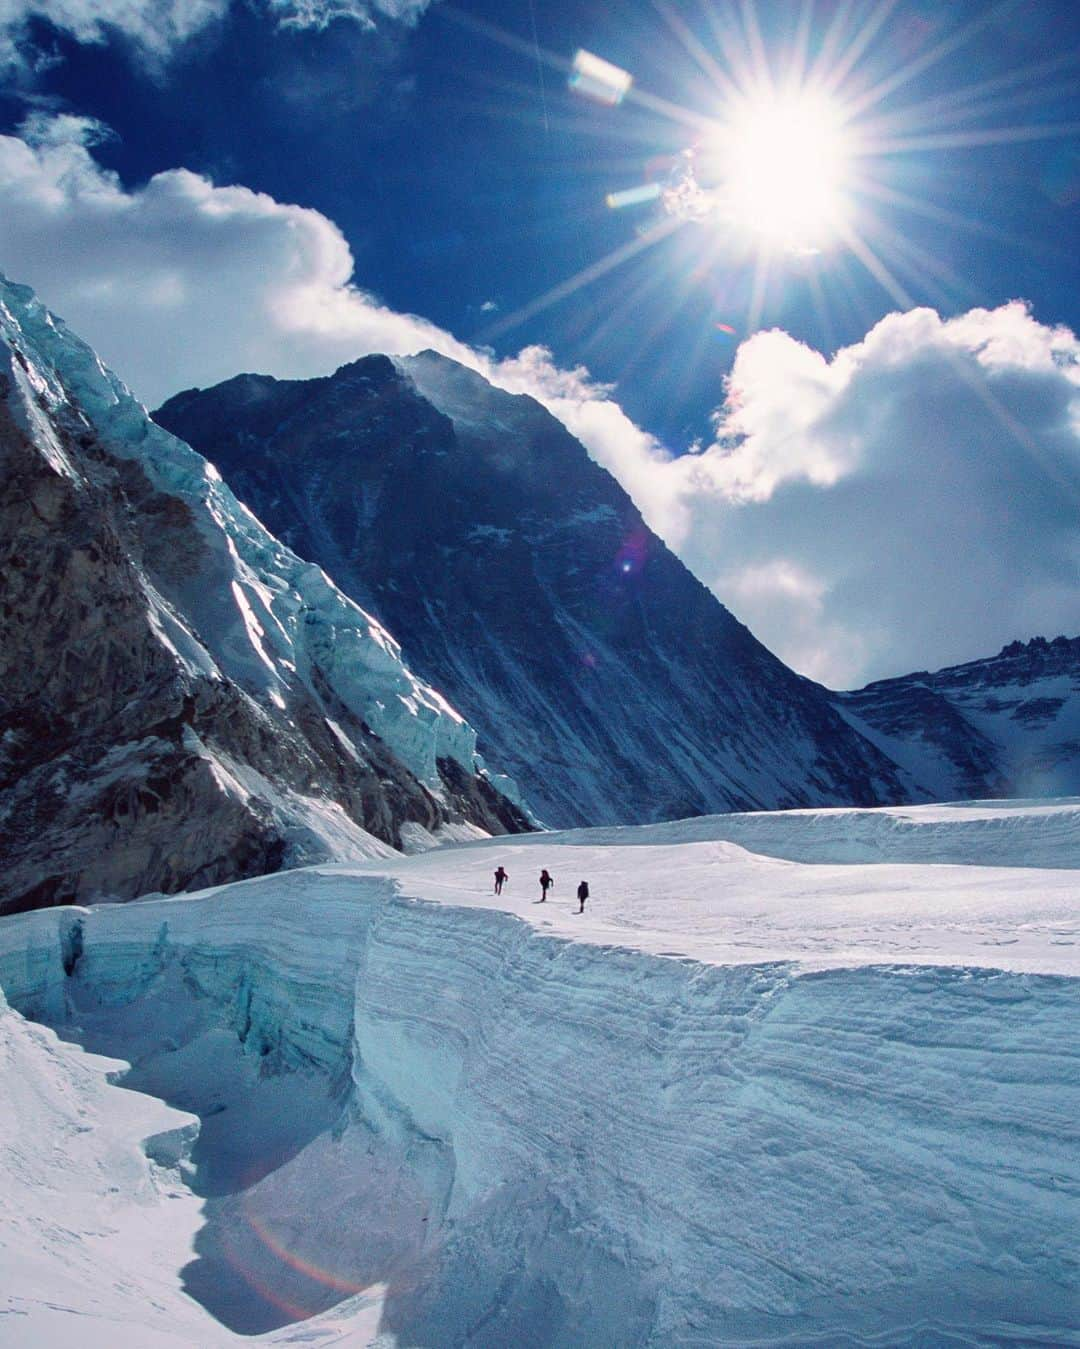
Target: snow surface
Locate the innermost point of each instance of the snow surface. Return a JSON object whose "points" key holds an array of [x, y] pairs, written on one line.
{"points": [[1021, 833], [262, 615], [1040, 752], [742, 1100]]}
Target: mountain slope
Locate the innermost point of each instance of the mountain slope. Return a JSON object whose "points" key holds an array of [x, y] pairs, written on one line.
{"points": [[1008, 725], [523, 582], [182, 700]]}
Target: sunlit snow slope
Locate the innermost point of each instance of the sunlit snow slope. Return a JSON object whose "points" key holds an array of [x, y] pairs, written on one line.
{"points": [[1005, 726], [741, 1100]]}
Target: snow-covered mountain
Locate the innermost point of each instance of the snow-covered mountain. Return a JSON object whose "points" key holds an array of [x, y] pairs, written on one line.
{"points": [[1005, 726], [740, 1101], [182, 699], [523, 582]]}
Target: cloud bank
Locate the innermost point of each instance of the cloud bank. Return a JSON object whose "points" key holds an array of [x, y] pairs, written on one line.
{"points": [[912, 501]]}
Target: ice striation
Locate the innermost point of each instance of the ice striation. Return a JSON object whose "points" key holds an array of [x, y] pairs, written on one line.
{"points": [[183, 700], [430, 1117]]}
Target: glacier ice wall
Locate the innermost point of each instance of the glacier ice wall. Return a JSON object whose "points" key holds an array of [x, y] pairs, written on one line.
{"points": [[533, 1141]]}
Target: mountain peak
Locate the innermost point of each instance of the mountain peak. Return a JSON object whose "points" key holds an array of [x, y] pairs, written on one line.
{"points": [[374, 368], [526, 585]]}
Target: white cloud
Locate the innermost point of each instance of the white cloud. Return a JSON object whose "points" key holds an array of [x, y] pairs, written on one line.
{"points": [[157, 26], [912, 501], [588, 411], [180, 282], [153, 25], [320, 13]]}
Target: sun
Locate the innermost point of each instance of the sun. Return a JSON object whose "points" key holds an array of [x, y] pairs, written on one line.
{"points": [[779, 170], [788, 146]]}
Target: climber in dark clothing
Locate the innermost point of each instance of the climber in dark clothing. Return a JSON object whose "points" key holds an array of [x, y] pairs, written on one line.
{"points": [[583, 895], [545, 882], [501, 874]]}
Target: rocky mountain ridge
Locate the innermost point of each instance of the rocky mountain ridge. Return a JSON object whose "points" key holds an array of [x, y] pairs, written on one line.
{"points": [[183, 701], [1006, 725], [524, 583]]}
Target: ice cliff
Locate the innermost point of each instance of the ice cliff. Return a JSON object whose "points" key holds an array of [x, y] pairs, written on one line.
{"points": [[493, 1135]]}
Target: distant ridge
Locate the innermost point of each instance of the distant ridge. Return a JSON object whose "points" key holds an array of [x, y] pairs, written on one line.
{"points": [[1006, 725]]}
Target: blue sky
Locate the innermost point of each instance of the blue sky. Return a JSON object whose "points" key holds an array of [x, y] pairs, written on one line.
{"points": [[466, 182]]}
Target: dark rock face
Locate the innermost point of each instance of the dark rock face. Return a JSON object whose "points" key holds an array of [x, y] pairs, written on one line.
{"points": [[1008, 725], [126, 766], [522, 582]]}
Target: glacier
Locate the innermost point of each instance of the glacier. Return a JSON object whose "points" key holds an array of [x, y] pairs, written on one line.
{"points": [[743, 1100], [261, 613]]}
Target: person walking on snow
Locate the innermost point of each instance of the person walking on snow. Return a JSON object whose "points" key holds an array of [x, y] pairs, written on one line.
{"points": [[501, 874], [545, 882], [583, 895]]}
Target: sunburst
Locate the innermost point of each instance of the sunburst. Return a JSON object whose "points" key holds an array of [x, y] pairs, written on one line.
{"points": [[789, 150]]}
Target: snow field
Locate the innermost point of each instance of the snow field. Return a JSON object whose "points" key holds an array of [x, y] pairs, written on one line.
{"points": [[438, 1120], [92, 1232], [1034, 833]]}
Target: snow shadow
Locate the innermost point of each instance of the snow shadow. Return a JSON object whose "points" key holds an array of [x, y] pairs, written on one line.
{"points": [[308, 1206]]}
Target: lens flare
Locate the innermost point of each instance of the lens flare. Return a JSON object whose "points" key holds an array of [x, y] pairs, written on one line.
{"points": [[599, 79], [633, 553], [632, 196]]}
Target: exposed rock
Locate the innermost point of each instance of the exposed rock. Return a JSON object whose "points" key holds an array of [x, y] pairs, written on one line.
{"points": [[182, 701], [1008, 725], [523, 582]]}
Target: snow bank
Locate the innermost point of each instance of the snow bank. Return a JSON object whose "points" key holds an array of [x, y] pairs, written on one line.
{"points": [[1035, 833], [92, 1232], [470, 1129]]}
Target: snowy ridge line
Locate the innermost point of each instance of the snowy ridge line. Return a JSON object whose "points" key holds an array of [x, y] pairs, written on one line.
{"points": [[607, 1147], [1028, 833], [1007, 723], [269, 617]]}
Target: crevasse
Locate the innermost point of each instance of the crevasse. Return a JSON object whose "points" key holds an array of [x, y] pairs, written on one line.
{"points": [[532, 1141]]}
